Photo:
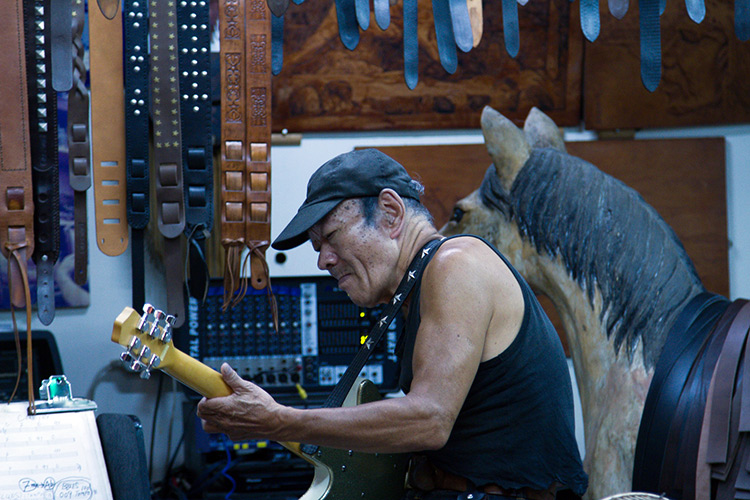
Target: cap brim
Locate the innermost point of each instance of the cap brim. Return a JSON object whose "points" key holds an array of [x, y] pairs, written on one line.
{"points": [[295, 233]]}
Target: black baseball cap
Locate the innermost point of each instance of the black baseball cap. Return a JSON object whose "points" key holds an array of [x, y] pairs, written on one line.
{"points": [[356, 174]]}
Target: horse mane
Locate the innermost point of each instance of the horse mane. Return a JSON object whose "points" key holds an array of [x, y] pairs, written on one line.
{"points": [[608, 237]]}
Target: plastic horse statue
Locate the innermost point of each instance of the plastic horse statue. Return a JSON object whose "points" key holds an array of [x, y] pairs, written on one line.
{"points": [[620, 281]]}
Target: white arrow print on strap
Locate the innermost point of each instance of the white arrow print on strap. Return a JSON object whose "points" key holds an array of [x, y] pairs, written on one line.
{"points": [[397, 298]]}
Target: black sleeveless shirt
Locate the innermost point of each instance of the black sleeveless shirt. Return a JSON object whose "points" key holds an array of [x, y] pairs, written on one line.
{"points": [[516, 427]]}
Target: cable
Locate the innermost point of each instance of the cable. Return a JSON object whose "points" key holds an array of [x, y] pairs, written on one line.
{"points": [[153, 428], [227, 448]]}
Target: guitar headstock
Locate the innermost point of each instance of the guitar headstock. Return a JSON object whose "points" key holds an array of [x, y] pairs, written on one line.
{"points": [[147, 339]]}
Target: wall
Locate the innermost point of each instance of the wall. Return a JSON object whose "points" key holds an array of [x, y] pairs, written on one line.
{"points": [[91, 360]]}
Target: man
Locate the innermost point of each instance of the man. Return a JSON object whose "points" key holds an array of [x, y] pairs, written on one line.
{"points": [[488, 402]]}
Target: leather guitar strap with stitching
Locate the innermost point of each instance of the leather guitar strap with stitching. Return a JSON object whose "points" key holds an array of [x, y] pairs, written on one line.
{"points": [[108, 126], [79, 155], [165, 116], [197, 143], [137, 137], [246, 145], [16, 200], [43, 135]]}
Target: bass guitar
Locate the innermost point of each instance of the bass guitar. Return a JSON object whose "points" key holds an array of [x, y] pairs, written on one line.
{"points": [[338, 474]]}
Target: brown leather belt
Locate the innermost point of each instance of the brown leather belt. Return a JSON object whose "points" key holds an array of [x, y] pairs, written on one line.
{"points": [[165, 111], [108, 126], [245, 33], [425, 476]]}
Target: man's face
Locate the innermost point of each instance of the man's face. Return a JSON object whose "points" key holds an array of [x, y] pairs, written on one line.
{"points": [[355, 253]]}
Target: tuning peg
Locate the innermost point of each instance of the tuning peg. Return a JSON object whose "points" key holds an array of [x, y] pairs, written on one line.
{"points": [[146, 374], [158, 318], [135, 366], [148, 313], [166, 334], [126, 358]]}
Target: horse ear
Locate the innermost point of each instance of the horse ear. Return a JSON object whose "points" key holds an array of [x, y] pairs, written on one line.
{"points": [[542, 132], [506, 144]]}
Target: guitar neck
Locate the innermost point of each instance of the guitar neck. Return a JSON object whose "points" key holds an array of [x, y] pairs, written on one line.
{"points": [[199, 377]]}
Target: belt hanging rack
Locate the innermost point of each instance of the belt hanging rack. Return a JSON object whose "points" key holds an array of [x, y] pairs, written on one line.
{"points": [[165, 114], [43, 145], [245, 40]]}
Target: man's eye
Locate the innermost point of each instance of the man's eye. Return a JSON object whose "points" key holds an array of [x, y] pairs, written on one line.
{"points": [[457, 215], [330, 234]]}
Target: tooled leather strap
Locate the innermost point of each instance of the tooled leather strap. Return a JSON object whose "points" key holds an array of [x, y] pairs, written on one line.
{"points": [[137, 137], [245, 32], [43, 135], [193, 22], [165, 115], [108, 126], [16, 203], [79, 154]]}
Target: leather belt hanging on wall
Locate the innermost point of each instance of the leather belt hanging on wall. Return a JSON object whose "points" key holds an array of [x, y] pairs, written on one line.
{"points": [[165, 115], [245, 31], [79, 156], [197, 142], [108, 126], [137, 137], [42, 100]]}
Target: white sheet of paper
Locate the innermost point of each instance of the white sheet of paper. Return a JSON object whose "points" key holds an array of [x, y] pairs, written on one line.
{"points": [[53, 456]]}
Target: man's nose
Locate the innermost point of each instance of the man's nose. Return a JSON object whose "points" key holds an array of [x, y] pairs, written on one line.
{"points": [[326, 258]]}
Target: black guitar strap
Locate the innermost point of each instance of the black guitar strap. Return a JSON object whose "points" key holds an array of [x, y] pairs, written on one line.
{"points": [[345, 383], [61, 19], [135, 51], [44, 163], [277, 44], [197, 146]]}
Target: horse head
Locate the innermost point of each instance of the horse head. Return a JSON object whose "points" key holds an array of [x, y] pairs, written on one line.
{"points": [[615, 271]]}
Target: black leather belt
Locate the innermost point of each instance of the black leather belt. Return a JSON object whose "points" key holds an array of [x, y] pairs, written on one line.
{"points": [[137, 136], [44, 163], [197, 142], [165, 113]]}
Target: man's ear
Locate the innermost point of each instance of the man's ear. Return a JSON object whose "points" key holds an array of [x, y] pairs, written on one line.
{"points": [[393, 210]]}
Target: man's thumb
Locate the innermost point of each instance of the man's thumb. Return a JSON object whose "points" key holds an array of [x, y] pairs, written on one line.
{"points": [[230, 376]]}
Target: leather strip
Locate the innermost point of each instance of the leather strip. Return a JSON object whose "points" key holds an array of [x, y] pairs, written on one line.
{"points": [[362, 10], [742, 19], [590, 22], [618, 8], [277, 44], [382, 10], [258, 140], [650, 43], [79, 159], [684, 340], [16, 202], [44, 164], [476, 19], [165, 111], [193, 22], [510, 27], [696, 10], [446, 42], [278, 7], [108, 126], [726, 370], [411, 44], [61, 19], [462, 32], [347, 20], [411, 276], [137, 99]]}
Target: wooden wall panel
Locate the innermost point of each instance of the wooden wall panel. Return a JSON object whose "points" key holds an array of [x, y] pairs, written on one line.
{"points": [[705, 71], [325, 87]]}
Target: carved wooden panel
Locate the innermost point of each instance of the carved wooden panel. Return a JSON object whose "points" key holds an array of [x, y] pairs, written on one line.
{"points": [[325, 87], [705, 71]]}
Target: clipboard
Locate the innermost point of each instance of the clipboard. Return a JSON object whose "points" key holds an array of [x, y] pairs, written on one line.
{"points": [[55, 454]]}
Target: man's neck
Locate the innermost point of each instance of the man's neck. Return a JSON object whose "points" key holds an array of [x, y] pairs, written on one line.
{"points": [[416, 234]]}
